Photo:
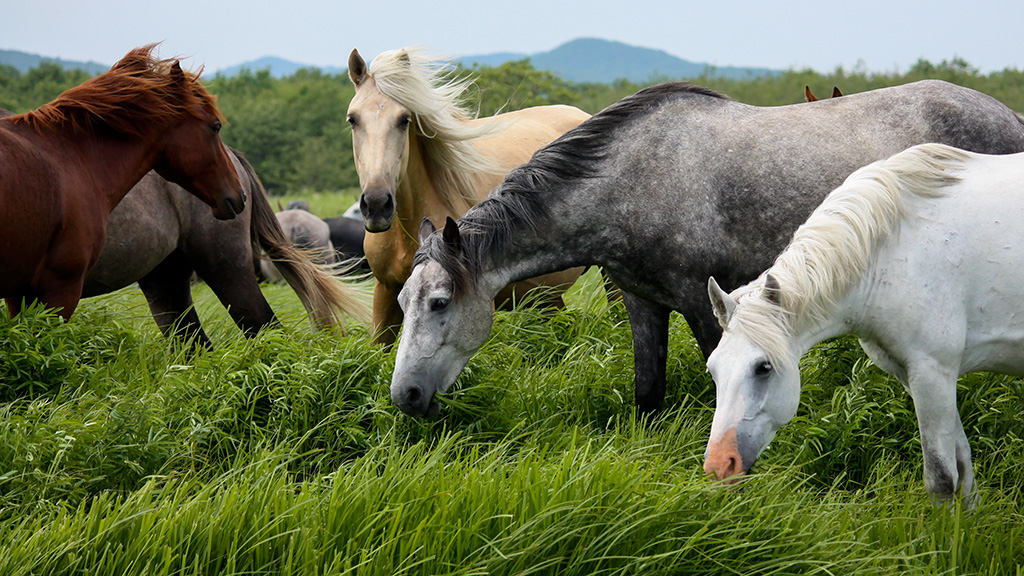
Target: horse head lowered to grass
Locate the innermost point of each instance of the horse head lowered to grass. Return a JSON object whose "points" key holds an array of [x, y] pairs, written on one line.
{"points": [[664, 189], [421, 154], [919, 256], [67, 164]]}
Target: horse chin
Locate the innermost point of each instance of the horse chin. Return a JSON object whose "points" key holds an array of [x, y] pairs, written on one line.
{"points": [[377, 224]]}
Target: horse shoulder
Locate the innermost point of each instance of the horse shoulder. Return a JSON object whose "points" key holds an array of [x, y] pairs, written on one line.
{"points": [[523, 132]]}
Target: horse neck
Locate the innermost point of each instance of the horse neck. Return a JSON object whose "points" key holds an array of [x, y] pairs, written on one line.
{"points": [[114, 164], [420, 194], [563, 238]]}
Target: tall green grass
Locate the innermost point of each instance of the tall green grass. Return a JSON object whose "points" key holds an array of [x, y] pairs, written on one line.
{"points": [[121, 453]]}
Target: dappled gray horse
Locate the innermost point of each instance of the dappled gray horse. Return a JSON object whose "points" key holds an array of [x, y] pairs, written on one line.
{"points": [[664, 189]]}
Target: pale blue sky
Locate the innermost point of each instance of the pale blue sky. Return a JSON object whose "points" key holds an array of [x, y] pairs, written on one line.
{"points": [[886, 35]]}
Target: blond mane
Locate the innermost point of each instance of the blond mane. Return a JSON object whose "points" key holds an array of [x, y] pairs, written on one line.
{"points": [[433, 91], [833, 249]]}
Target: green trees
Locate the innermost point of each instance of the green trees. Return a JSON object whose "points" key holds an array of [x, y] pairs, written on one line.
{"points": [[293, 129]]}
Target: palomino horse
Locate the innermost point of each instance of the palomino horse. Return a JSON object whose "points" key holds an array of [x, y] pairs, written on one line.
{"points": [[68, 163], [918, 255], [420, 154], [159, 236], [664, 189]]}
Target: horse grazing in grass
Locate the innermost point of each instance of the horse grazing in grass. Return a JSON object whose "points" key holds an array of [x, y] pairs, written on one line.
{"points": [[67, 164], [159, 236], [420, 154], [664, 189], [918, 255]]}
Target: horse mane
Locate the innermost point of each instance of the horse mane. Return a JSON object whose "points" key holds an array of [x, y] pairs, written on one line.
{"points": [[832, 250], [518, 203], [432, 90], [135, 93]]}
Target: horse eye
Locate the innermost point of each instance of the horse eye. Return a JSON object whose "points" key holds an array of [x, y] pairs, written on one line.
{"points": [[216, 126], [404, 122], [438, 304], [351, 120], [763, 369]]}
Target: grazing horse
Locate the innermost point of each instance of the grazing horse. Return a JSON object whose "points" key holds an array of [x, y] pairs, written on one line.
{"points": [[306, 232], [420, 154], [159, 236], [918, 255], [664, 189], [67, 164]]}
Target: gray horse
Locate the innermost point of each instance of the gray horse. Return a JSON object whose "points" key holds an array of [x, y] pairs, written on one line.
{"points": [[308, 233], [664, 189], [159, 236]]}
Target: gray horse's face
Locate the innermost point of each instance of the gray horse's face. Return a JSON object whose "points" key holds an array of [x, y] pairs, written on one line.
{"points": [[754, 396], [439, 334]]}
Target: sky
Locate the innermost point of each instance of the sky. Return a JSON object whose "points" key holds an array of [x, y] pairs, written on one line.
{"points": [[876, 35]]}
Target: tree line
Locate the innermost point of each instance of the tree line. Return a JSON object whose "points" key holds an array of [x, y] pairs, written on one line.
{"points": [[294, 132]]}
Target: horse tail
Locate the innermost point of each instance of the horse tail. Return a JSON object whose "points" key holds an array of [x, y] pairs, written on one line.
{"points": [[321, 293]]}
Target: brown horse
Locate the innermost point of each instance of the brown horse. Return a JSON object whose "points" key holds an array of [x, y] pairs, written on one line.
{"points": [[67, 164], [420, 154], [810, 97]]}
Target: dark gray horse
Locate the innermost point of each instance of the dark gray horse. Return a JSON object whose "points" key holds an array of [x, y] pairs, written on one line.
{"points": [[664, 189], [159, 236]]}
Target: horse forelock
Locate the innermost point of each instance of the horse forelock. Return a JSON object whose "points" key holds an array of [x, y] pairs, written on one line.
{"points": [[433, 91], [137, 92], [832, 250]]}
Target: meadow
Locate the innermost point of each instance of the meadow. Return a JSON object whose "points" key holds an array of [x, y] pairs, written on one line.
{"points": [[123, 453]]}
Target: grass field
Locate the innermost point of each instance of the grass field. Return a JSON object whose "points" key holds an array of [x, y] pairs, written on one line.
{"points": [[120, 454]]}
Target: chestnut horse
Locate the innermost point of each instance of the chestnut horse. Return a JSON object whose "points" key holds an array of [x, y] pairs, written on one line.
{"points": [[421, 154], [67, 164]]}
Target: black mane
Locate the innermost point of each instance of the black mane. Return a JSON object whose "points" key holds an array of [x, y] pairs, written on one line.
{"points": [[518, 202]]}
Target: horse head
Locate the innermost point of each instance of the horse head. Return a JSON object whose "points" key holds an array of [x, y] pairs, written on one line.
{"points": [[446, 321], [380, 145], [192, 154], [756, 394]]}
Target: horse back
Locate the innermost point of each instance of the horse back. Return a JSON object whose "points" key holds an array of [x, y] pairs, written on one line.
{"points": [[522, 132]]}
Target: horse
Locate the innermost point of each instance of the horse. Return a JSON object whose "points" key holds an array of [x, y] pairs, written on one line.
{"points": [[68, 163], [419, 153], [160, 236], [918, 255], [663, 189], [810, 97], [306, 232], [346, 235]]}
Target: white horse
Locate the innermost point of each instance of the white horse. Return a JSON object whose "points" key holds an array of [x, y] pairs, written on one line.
{"points": [[921, 257]]}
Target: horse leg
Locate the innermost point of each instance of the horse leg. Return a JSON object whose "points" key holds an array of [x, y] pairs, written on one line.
{"points": [[234, 282], [948, 471], [649, 322], [387, 315], [168, 291]]}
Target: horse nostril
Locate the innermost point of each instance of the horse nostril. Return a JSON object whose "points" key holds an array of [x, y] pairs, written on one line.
{"points": [[413, 395]]}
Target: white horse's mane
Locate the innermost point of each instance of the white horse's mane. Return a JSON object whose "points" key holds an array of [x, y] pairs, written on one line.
{"points": [[833, 249], [431, 89]]}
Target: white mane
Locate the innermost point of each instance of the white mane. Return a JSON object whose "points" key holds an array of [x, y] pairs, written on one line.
{"points": [[431, 89], [833, 249]]}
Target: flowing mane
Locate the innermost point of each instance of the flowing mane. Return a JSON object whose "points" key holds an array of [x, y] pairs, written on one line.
{"points": [[135, 93], [833, 249], [518, 202], [432, 90]]}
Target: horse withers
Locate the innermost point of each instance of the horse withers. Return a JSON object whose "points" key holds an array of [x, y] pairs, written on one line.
{"points": [[662, 190], [421, 154], [68, 163], [920, 257]]}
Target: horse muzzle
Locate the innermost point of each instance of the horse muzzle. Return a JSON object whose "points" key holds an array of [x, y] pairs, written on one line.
{"points": [[415, 400], [377, 206], [229, 207], [723, 460]]}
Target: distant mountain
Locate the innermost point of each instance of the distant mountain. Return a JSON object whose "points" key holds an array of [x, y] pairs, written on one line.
{"points": [[597, 60], [24, 62], [279, 67]]}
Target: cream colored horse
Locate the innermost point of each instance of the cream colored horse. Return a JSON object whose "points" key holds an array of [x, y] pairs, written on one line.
{"points": [[420, 154]]}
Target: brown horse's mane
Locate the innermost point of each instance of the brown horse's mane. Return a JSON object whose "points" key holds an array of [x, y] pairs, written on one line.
{"points": [[137, 92]]}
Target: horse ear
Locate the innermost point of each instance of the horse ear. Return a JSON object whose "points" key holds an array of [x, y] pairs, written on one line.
{"points": [[426, 229], [451, 235], [835, 92], [176, 72], [403, 57], [356, 67], [772, 292], [723, 304], [808, 95]]}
